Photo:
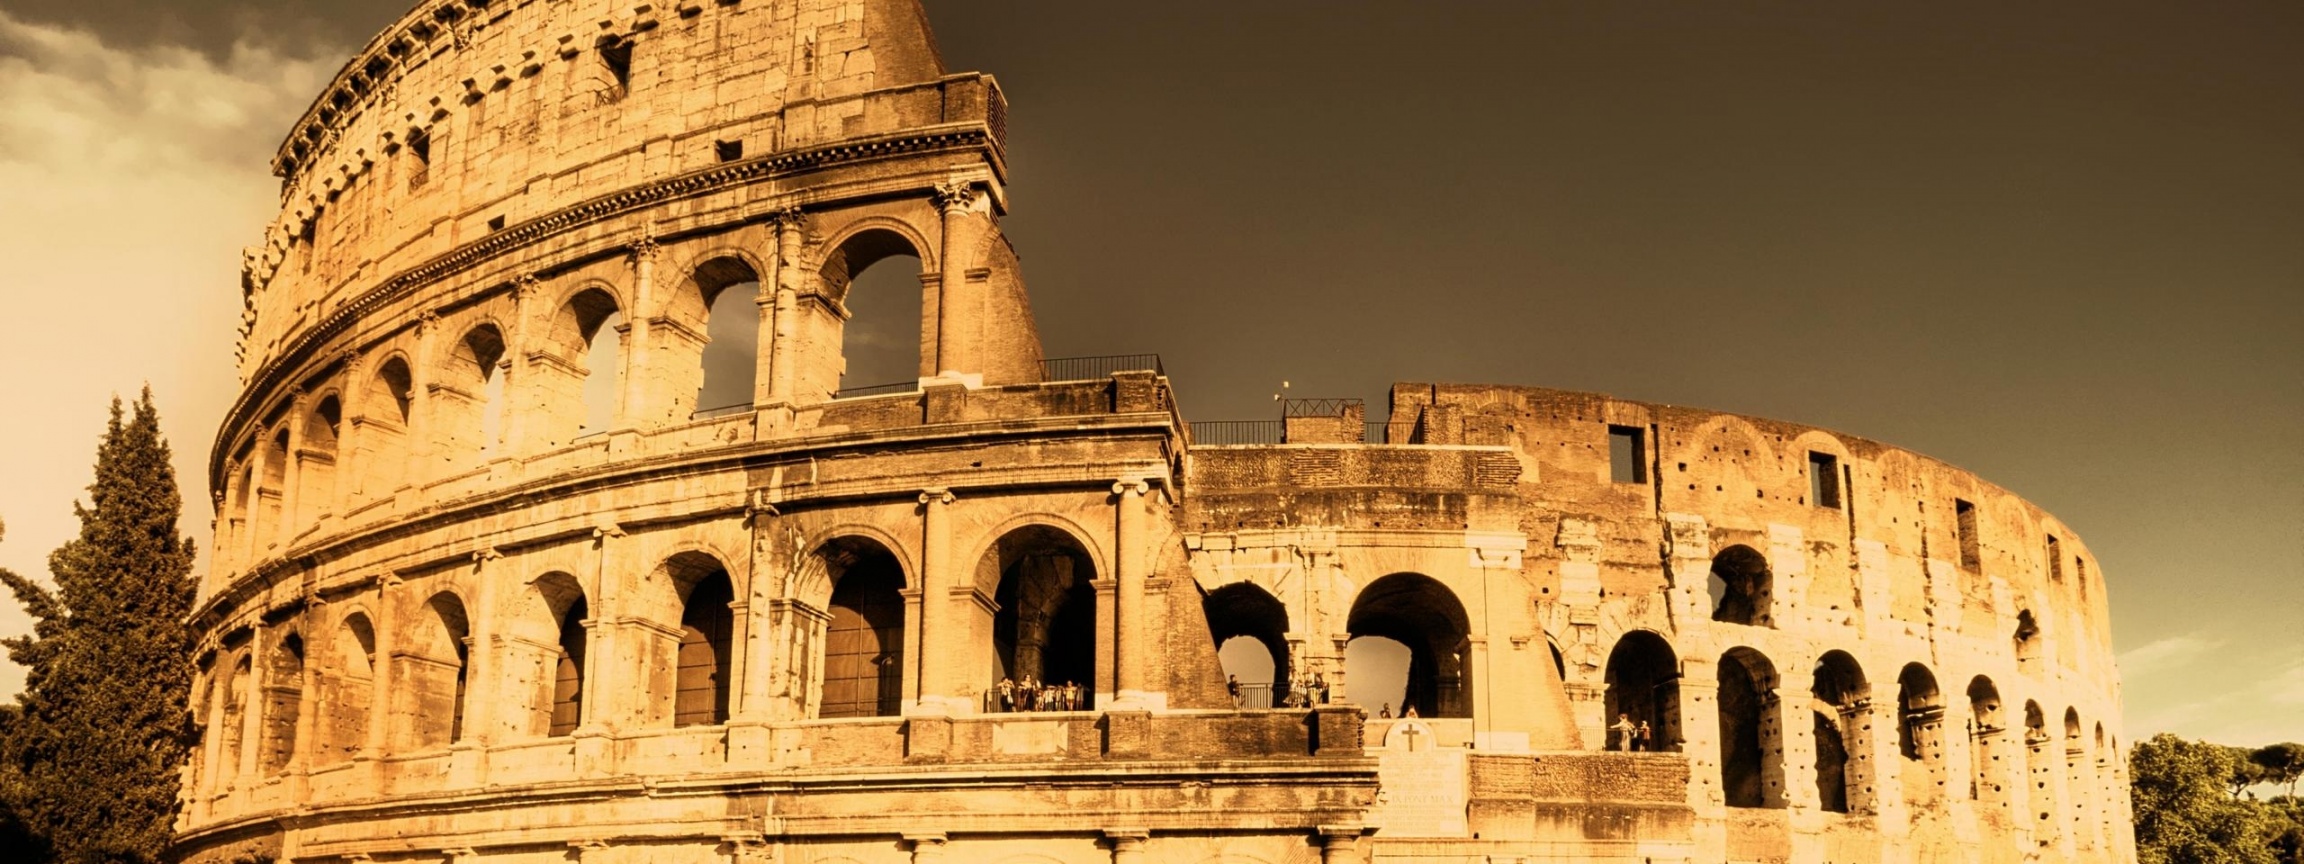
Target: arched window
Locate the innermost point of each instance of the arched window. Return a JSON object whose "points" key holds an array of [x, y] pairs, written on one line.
{"points": [[430, 682], [347, 693], [2079, 778], [552, 627], [707, 641], [1749, 732], [1741, 587], [316, 463], [729, 291], [2040, 770], [273, 490], [1643, 687], [1920, 733], [471, 413], [383, 438], [237, 695], [1250, 627], [1985, 732], [1045, 630], [577, 373], [864, 631], [1843, 754], [1425, 617], [878, 330], [283, 699]]}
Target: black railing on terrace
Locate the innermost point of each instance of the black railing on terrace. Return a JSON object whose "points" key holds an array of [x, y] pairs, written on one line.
{"points": [[1091, 368], [877, 390], [1317, 407], [1206, 432]]}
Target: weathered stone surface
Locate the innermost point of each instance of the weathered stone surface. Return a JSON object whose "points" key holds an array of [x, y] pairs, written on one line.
{"points": [[465, 607]]}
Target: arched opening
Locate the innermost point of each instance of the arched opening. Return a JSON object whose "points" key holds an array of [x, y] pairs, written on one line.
{"points": [[233, 727], [701, 680], [552, 644], [876, 277], [346, 695], [730, 293], [1920, 733], [469, 403], [283, 700], [1750, 731], [242, 520], [2079, 779], [383, 439], [1044, 634], [1741, 586], [1250, 627], [576, 375], [203, 703], [1376, 668], [1643, 679], [1985, 732], [2040, 771], [1843, 757], [431, 675], [272, 491], [863, 632], [1422, 615], [316, 463]]}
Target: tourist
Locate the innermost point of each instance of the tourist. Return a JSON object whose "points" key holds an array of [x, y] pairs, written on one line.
{"points": [[1620, 733], [1232, 686], [1385, 714], [1640, 740]]}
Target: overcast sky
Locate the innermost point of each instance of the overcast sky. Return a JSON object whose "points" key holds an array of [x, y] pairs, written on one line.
{"points": [[2060, 246]]}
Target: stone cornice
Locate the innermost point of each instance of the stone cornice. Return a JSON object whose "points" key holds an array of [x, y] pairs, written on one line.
{"points": [[268, 378]]}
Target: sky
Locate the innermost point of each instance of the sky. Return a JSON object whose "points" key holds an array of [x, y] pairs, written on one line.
{"points": [[2060, 245]]}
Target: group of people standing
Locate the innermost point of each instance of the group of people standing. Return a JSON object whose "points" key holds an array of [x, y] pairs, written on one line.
{"points": [[1034, 695], [1627, 736]]}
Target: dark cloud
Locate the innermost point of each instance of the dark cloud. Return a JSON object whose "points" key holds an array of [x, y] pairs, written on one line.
{"points": [[213, 27]]}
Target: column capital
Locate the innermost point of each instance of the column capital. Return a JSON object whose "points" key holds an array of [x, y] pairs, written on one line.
{"points": [[791, 219], [485, 554], [645, 249], [1131, 486], [954, 197], [1127, 839], [924, 839], [525, 285], [937, 495]]}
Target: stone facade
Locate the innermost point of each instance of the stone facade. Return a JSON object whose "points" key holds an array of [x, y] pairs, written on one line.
{"points": [[494, 580]]}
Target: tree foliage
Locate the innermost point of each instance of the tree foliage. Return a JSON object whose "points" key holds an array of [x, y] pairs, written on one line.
{"points": [[2191, 805], [90, 758]]}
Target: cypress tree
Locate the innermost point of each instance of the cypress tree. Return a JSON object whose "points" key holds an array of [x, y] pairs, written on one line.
{"points": [[91, 759]]}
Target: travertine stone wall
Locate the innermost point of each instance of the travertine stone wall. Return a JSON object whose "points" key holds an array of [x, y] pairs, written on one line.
{"points": [[493, 580]]}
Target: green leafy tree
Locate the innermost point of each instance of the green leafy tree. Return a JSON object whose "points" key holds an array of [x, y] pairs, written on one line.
{"points": [[2185, 813], [90, 761], [2282, 763]]}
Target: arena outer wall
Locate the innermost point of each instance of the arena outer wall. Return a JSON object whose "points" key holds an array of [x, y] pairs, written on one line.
{"points": [[478, 595]]}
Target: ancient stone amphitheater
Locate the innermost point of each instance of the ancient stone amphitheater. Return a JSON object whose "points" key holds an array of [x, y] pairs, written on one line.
{"points": [[551, 527]]}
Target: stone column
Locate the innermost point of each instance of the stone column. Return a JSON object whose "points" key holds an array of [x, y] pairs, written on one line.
{"points": [[380, 681], [1788, 775], [348, 413], [253, 521], [784, 281], [1887, 760], [595, 753], [954, 316], [512, 429], [468, 754], [940, 628], [420, 441], [1700, 731], [291, 473], [927, 847], [636, 389], [252, 705], [1340, 844], [232, 527], [1857, 738], [307, 701], [1128, 560]]}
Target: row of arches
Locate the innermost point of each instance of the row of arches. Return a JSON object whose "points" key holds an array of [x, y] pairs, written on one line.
{"points": [[553, 662], [1408, 649], [557, 365], [2067, 789]]}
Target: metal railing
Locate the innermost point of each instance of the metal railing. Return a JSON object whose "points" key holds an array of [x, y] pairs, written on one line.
{"points": [[1091, 368], [877, 390], [1207, 432], [1255, 697], [1318, 407]]}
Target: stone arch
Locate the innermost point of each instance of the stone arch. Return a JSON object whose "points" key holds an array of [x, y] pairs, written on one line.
{"points": [[1421, 613], [347, 690], [1842, 734], [1743, 587], [2040, 772], [1920, 733], [698, 688], [386, 406], [713, 334], [574, 375], [283, 702], [812, 583], [1643, 686], [876, 339], [466, 398], [1045, 626], [987, 542], [1244, 610], [854, 637], [1751, 734], [271, 521], [1986, 732], [547, 654], [317, 459], [430, 675], [238, 693]]}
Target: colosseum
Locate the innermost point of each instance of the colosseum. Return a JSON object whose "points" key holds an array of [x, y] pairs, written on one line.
{"points": [[552, 527]]}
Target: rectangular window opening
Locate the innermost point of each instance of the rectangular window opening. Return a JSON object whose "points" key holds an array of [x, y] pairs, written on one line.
{"points": [[1627, 455], [617, 56], [1971, 551], [728, 151], [1824, 480], [2055, 560], [420, 149]]}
